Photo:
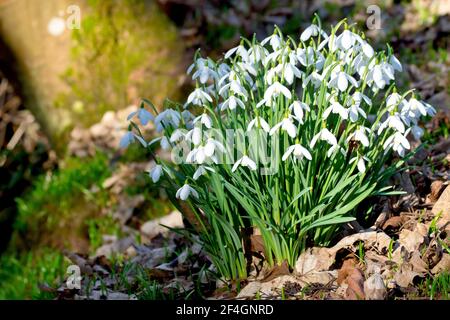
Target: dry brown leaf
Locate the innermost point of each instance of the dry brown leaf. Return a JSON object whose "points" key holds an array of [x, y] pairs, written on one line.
{"points": [[411, 240], [393, 223], [442, 206], [443, 264], [354, 278], [314, 259], [374, 288], [277, 271]]}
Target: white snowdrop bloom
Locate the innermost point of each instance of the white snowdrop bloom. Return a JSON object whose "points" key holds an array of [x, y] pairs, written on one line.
{"points": [[155, 173], [205, 120], [258, 122], [257, 53], [393, 121], [234, 86], [199, 97], [298, 152], [394, 100], [336, 108], [205, 73], [185, 191], [240, 51], [340, 80], [312, 31], [288, 70], [361, 163], [197, 155], [127, 139], [398, 143], [297, 107], [165, 143], [346, 40], [309, 56], [315, 78], [324, 135], [395, 63], [275, 89], [143, 115], [202, 170], [223, 69], [417, 107], [177, 135], [335, 148], [244, 162], [360, 135], [380, 75], [195, 136], [231, 103], [168, 117], [431, 111], [354, 110], [211, 146], [286, 125], [417, 132], [274, 40], [367, 49]]}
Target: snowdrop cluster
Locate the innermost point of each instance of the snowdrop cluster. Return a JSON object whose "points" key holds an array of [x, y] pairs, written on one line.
{"points": [[328, 101]]}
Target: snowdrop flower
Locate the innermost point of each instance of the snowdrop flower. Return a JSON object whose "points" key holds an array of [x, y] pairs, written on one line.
{"points": [[274, 40], [298, 151], [315, 78], [143, 115], [274, 91], [361, 163], [346, 40], [205, 70], [168, 117], [231, 103], [393, 121], [395, 63], [335, 107], [354, 111], [297, 107], [309, 56], [240, 51], [417, 107], [259, 123], [201, 170], [398, 143], [417, 132], [211, 146], [286, 125], [194, 135], [185, 191], [257, 54], [394, 100], [129, 137], [177, 135], [430, 110], [379, 76], [155, 173], [244, 162], [312, 31], [205, 120], [340, 80], [324, 135], [360, 135], [198, 97]]}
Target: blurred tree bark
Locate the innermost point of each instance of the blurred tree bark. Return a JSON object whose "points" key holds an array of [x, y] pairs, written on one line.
{"points": [[123, 51]]}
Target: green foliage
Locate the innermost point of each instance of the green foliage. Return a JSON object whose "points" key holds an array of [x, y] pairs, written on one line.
{"points": [[437, 287], [54, 198], [21, 276]]}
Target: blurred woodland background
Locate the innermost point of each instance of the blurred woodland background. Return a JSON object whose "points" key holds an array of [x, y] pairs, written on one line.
{"points": [[65, 94]]}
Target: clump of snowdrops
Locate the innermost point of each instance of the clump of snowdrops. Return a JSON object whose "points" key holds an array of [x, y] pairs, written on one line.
{"points": [[285, 138]]}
